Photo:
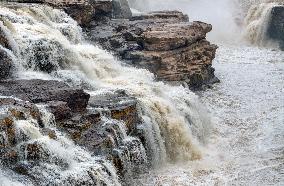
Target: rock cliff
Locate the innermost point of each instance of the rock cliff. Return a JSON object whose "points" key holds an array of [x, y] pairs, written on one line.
{"points": [[165, 43], [276, 25]]}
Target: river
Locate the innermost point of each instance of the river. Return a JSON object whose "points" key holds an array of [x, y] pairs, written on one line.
{"points": [[247, 107], [245, 146]]}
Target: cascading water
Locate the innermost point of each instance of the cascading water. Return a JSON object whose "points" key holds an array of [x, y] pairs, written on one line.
{"points": [[228, 17], [246, 147], [48, 44], [256, 22], [55, 161]]}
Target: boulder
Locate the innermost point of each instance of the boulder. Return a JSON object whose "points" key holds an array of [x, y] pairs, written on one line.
{"points": [[116, 105], [174, 36], [60, 110], [120, 105], [191, 64], [43, 91], [276, 25]]}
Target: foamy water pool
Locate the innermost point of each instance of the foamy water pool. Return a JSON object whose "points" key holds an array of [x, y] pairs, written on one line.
{"points": [[247, 107]]}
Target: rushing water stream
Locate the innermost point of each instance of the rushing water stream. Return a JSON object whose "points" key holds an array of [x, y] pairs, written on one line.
{"points": [[247, 147], [247, 144], [48, 44]]}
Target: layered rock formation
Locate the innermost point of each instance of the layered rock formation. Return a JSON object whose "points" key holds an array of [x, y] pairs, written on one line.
{"points": [[165, 43], [94, 124], [36, 114]]}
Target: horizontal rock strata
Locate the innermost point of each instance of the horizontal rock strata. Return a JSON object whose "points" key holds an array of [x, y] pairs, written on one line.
{"points": [[163, 42], [91, 121]]}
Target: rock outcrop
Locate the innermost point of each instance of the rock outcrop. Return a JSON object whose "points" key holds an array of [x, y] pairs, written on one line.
{"points": [[96, 123], [35, 112], [6, 64], [276, 25], [42, 91], [163, 42]]}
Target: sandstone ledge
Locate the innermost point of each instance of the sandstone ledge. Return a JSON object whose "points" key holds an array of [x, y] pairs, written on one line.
{"points": [[163, 42]]}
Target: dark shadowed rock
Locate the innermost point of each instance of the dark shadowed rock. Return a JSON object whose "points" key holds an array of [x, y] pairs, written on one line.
{"points": [[60, 109], [3, 39], [42, 91], [83, 14], [6, 63], [102, 8], [276, 25]]}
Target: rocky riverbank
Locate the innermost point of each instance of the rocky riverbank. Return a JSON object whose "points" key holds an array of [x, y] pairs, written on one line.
{"points": [[165, 42], [50, 127], [75, 114]]}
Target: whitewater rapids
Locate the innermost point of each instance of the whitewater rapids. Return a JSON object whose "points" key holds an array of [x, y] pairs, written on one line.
{"points": [[247, 147], [45, 39]]}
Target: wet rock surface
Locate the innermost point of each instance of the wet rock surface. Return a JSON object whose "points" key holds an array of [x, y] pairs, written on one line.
{"points": [[163, 42], [276, 25], [41, 91], [37, 114], [104, 128], [6, 64], [3, 39]]}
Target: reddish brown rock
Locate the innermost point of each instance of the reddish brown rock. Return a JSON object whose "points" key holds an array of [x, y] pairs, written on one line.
{"points": [[165, 43], [60, 110]]}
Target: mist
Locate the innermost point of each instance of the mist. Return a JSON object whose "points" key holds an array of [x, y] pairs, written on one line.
{"points": [[224, 15]]}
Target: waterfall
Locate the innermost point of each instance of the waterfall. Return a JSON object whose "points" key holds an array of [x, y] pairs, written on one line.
{"points": [[50, 45], [256, 22], [60, 161], [233, 21], [222, 14]]}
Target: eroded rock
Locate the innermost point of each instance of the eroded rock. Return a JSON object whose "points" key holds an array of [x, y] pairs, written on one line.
{"points": [[42, 91], [163, 42]]}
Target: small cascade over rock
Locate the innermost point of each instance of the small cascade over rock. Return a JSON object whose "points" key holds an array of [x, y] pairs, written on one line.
{"points": [[32, 146], [262, 25], [72, 136], [256, 23]]}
